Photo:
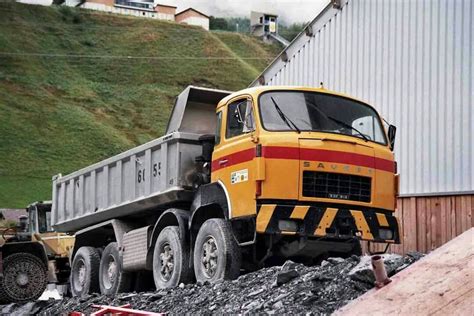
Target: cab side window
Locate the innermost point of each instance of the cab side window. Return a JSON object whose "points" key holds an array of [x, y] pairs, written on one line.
{"points": [[239, 118]]}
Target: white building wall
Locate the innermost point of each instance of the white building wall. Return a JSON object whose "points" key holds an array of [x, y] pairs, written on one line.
{"points": [[198, 21], [127, 11], [97, 6], [412, 60]]}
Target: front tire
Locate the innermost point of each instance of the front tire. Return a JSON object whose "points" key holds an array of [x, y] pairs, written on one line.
{"points": [[25, 278], [84, 277], [170, 259], [217, 255], [112, 278]]}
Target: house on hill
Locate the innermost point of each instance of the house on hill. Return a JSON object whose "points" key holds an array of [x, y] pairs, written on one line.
{"points": [[8, 214], [265, 26], [139, 8], [145, 8], [193, 17]]}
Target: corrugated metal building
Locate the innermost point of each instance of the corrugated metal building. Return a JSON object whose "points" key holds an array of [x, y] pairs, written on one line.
{"points": [[412, 60]]}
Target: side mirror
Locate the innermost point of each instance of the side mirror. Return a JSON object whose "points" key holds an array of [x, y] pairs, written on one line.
{"points": [[392, 131]]}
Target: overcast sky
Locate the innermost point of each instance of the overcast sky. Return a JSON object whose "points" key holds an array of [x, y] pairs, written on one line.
{"points": [[289, 10]]}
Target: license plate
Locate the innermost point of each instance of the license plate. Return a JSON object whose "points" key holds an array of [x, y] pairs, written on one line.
{"points": [[338, 196]]}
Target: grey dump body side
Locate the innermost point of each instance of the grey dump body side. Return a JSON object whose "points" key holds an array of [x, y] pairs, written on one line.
{"points": [[154, 175]]}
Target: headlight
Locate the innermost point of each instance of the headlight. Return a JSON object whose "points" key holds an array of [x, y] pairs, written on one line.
{"points": [[289, 226]]}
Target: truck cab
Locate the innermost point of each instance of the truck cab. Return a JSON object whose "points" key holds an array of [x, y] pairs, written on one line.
{"points": [[57, 245], [306, 165]]}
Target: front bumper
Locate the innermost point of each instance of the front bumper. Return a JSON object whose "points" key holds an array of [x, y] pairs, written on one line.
{"points": [[335, 222]]}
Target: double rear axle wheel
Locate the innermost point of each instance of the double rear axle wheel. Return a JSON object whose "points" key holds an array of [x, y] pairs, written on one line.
{"points": [[216, 256]]}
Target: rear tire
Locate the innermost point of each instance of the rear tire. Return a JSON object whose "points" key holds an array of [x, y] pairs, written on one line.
{"points": [[25, 278], [217, 255], [170, 259], [112, 278], [84, 277]]}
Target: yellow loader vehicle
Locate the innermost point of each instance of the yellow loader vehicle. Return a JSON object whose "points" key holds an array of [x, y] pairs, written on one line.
{"points": [[32, 255], [239, 180]]}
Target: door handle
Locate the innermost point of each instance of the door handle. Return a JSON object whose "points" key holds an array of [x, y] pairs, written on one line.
{"points": [[223, 161]]}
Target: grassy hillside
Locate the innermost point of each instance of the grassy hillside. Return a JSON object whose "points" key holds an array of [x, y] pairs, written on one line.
{"points": [[70, 95]]}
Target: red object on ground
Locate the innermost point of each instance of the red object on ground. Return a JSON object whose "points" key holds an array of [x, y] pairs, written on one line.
{"points": [[124, 310]]}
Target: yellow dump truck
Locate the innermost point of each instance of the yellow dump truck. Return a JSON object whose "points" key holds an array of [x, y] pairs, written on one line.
{"points": [[238, 180], [33, 255]]}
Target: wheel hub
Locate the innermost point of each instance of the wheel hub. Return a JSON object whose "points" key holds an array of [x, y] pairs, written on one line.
{"points": [[209, 257], [22, 279], [167, 262], [82, 274], [111, 272]]}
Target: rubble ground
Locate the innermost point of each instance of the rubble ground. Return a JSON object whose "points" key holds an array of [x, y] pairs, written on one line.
{"points": [[289, 289]]}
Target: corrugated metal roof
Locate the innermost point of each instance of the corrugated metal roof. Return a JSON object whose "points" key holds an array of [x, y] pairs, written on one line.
{"points": [[412, 60]]}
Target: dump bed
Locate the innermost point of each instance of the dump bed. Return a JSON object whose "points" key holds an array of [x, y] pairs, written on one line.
{"points": [[147, 177]]}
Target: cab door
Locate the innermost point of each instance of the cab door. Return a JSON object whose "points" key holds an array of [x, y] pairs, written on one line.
{"points": [[233, 156]]}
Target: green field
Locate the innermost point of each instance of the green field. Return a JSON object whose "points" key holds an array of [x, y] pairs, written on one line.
{"points": [[77, 86]]}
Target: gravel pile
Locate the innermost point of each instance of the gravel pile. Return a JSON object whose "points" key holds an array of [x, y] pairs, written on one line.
{"points": [[291, 288]]}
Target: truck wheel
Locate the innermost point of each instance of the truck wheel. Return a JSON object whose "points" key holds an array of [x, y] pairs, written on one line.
{"points": [[112, 278], [216, 253], [25, 278], [170, 259], [85, 271]]}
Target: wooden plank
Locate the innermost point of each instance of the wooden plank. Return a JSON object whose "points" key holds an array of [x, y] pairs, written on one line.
{"points": [[466, 213], [363, 245], [453, 217], [472, 210], [441, 282], [448, 218], [461, 305], [399, 214], [413, 240], [433, 225], [429, 225], [406, 227], [443, 220], [458, 215], [421, 223], [438, 240]]}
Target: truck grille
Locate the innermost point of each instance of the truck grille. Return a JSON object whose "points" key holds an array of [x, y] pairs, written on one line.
{"points": [[336, 186]]}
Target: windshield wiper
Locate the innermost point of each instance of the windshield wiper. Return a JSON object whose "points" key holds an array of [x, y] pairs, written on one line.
{"points": [[348, 126], [338, 122], [285, 118]]}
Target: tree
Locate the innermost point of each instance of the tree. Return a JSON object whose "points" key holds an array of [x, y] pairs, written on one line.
{"points": [[291, 31], [218, 23]]}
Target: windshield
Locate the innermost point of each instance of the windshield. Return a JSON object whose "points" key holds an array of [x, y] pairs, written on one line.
{"points": [[319, 112]]}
